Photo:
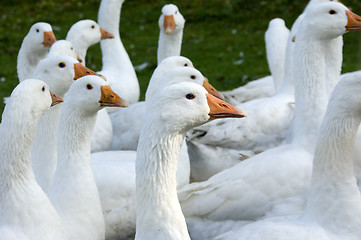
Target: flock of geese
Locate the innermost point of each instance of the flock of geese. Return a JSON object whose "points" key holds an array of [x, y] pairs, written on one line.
{"points": [[83, 158]]}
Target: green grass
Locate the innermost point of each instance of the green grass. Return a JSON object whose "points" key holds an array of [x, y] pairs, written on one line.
{"points": [[217, 33]]}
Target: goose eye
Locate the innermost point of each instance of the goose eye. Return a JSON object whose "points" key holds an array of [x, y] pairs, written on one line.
{"points": [[89, 86], [190, 96], [72, 48], [62, 65], [43, 89], [186, 64], [193, 77], [332, 12], [176, 12], [37, 30], [93, 26]]}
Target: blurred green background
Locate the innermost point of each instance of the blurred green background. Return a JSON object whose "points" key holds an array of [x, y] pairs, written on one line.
{"points": [[223, 38]]}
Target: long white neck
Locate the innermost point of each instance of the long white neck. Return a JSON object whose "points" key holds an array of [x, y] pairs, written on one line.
{"points": [[73, 191], [44, 151], [311, 97], [334, 192], [117, 66], [22, 202], [333, 63], [27, 60], [159, 215], [169, 44]]}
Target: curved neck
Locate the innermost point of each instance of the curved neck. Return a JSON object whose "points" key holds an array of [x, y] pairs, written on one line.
{"points": [[28, 59], [169, 44], [334, 190], [310, 90], [333, 62], [44, 151], [109, 16], [159, 215]]}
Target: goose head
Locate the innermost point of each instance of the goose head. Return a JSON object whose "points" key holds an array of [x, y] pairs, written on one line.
{"points": [[40, 36], [34, 96], [330, 20], [185, 105], [89, 94], [87, 32], [64, 47], [59, 72], [171, 20], [188, 74]]}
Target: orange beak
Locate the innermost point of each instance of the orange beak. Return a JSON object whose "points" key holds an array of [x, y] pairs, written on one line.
{"points": [[105, 34], [110, 98], [169, 24], [353, 21], [49, 39], [221, 109], [212, 90], [81, 71], [55, 99]]}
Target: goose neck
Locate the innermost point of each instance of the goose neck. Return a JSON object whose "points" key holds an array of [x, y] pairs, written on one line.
{"points": [[169, 44], [109, 15]]}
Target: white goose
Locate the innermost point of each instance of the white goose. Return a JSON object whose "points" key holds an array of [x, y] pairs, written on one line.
{"points": [[116, 178], [34, 47], [259, 184], [84, 34], [276, 38], [127, 122], [64, 47], [59, 72], [117, 66], [73, 191], [171, 24], [176, 109], [214, 146], [333, 209], [25, 210]]}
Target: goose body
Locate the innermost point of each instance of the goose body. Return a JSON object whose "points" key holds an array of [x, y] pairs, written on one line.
{"points": [[26, 212], [333, 209], [283, 173], [171, 24], [159, 215], [73, 190], [59, 72], [117, 66], [34, 47]]}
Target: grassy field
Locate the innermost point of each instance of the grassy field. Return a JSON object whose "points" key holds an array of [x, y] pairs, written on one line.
{"points": [[223, 38]]}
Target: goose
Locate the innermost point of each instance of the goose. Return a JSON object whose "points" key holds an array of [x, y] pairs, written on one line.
{"points": [[59, 72], [283, 173], [176, 109], [34, 47], [73, 191], [64, 47], [25, 210], [220, 144], [84, 34], [127, 122], [171, 23], [276, 38], [333, 209], [115, 170], [117, 66]]}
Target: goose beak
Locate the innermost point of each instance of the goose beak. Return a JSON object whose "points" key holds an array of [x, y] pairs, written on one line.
{"points": [[81, 71], [110, 98], [105, 34], [49, 39], [221, 109], [55, 99], [169, 24], [353, 21], [212, 90]]}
